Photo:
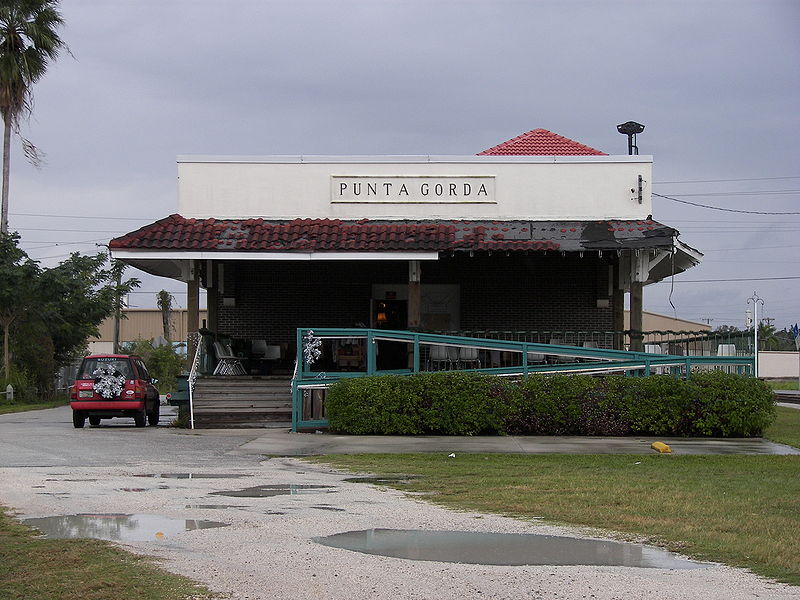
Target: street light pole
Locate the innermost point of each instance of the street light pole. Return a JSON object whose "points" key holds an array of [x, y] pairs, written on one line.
{"points": [[755, 300]]}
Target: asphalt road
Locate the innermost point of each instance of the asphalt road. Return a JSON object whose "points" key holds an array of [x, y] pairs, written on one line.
{"points": [[267, 548], [46, 438]]}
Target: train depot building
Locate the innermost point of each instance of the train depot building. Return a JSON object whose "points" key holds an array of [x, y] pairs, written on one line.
{"points": [[538, 234]]}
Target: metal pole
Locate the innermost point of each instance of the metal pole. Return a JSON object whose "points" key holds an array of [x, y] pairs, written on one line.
{"points": [[796, 334], [117, 310], [755, 300]]}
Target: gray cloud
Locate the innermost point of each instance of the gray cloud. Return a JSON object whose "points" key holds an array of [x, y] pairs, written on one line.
{"points": [[716, 83]]}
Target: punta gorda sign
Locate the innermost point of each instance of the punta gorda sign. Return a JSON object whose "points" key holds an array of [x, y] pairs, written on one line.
{"points": [[403, 189]]}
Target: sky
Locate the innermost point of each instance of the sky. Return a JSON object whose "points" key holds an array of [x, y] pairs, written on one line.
{"points": [[716, 84]]}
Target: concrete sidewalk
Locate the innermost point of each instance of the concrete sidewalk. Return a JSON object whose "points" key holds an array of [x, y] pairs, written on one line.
{"points": [[281, 442]]}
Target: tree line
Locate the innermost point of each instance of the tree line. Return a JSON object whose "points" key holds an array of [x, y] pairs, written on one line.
{"points": [[48, 314]]}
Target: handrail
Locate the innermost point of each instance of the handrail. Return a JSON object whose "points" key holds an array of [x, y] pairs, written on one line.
{"points": [[568, 359], [197, 338]]}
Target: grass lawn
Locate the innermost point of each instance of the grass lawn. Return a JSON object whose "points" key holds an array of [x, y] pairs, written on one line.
{"points": [[81, 570], [740, 510], [783, 384], [13, 408], [786, 428]]}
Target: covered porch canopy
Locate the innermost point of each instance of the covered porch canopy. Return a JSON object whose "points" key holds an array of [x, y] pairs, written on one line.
{"points": [[538, 233], [225, 255]]}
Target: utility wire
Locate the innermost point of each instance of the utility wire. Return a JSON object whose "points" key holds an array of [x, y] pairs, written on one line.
{"points": [[733, 210], [71, 230], [726, 180], [740, 279], [751, 248], [743, 193], [84, 217]]}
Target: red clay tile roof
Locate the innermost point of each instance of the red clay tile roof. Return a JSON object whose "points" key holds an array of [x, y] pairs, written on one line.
{"points": [[541, 142], [332, 235]]}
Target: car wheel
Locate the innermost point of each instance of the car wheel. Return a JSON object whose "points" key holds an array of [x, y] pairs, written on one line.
{"points": [[78, 419], [94, 421], [153, 417], [140, 419]]}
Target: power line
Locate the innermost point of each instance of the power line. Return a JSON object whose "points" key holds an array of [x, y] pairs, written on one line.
{"points": [[750, 220], [726, 280], [734, 210], [71, 230], [743, 193], [726, 180], [740, 249], [85, 217], [49, 244]]}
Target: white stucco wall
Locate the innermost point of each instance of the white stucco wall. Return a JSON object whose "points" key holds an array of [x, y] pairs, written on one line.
{"points": [[783, 365], [533, 188]]}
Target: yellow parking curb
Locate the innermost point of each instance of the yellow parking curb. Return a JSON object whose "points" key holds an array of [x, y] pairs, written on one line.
{"points": [[661, 447]]}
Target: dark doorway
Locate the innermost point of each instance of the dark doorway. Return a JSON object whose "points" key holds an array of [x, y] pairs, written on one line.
{"points": [[391, 314]]}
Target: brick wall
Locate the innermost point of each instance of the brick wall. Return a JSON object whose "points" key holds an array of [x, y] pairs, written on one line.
{"points": [[520, 292], [533, 292]]}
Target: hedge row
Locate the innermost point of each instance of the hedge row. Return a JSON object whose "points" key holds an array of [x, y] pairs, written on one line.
{"points": [[711, 404]]}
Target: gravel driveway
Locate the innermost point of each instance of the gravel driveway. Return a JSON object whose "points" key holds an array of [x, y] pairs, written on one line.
{"points": [[267, 552]]}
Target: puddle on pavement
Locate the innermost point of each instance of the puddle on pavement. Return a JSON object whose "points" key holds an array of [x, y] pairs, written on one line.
{"points": [[214, 506], [508, 549], [117, 527], [194, 475], [266, 491], [132, 489], [386, 480], [331, 508]]}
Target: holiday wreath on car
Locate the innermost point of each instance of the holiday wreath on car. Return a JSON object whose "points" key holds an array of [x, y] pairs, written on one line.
{"points": [[108, 381]]}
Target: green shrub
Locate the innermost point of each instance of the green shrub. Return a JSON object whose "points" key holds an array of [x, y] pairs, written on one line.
{"points": [[463, 403], [25, 391], [386, 405], [656, 405], [548, 406], [726, 405], [460, 403], [163, 363]]}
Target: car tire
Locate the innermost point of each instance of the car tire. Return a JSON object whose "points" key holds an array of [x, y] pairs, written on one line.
{"points": [[140, 419], [78, 419], [94, 421], [152, 418]]}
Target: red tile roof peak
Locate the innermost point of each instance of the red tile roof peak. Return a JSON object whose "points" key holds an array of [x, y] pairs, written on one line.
{"points": [[541, 142]]}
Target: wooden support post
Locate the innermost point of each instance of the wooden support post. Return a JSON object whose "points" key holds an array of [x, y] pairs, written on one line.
{"points": [[414, 295], [192, 307], [637, 297], [212, 296]]}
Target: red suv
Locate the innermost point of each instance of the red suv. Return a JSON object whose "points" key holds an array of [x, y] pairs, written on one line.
{"points": [[113, 385]]}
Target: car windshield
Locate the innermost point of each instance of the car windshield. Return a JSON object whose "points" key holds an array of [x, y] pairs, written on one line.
{"points": [[121, 366]]}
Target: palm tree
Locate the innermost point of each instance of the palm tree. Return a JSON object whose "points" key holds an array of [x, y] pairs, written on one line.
{"points": [[164, 300], [28, 42], [767, 338]]}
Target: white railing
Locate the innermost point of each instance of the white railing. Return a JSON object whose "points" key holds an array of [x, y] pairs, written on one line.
{"points": [[194, 336]]}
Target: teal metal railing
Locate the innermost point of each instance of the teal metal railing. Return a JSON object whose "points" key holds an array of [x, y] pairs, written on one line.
{"points": [[325, 356]]}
